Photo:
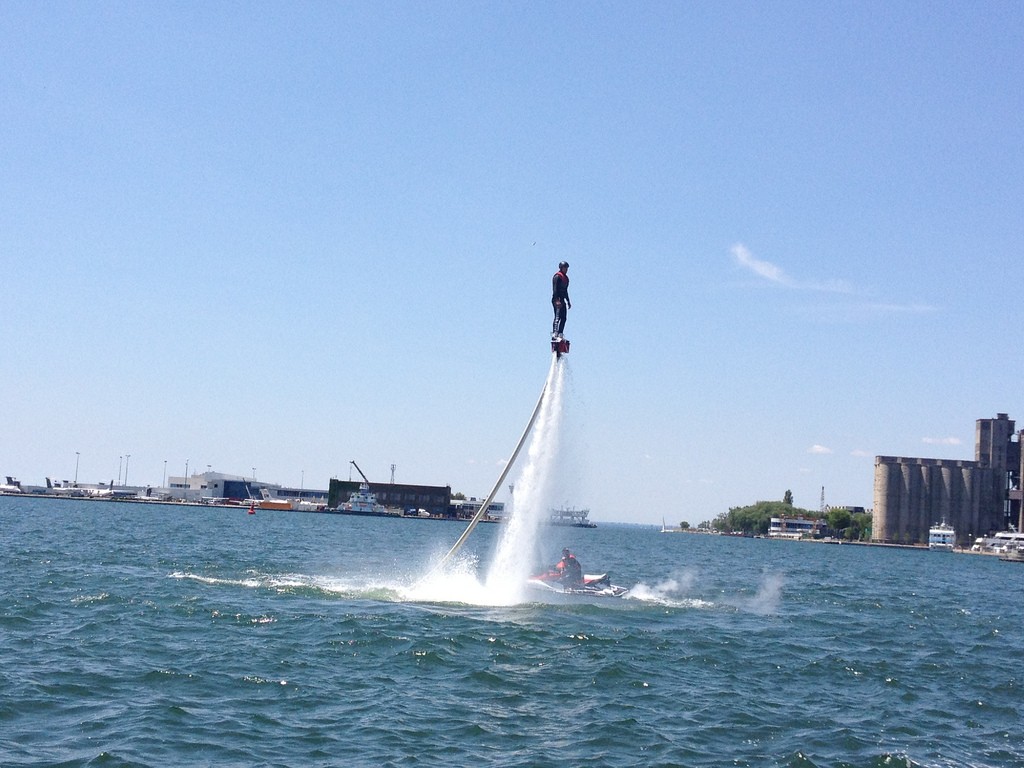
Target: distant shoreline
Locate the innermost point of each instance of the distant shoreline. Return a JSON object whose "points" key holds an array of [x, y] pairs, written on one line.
{"points": [[241, 505]]}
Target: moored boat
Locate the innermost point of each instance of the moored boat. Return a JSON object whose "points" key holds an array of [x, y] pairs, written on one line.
{"points": [[1001, 543], [363, 502], [941, 537], [279, 504]]}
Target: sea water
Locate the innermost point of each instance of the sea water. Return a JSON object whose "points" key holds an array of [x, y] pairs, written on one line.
{"points": [[146, 635]]}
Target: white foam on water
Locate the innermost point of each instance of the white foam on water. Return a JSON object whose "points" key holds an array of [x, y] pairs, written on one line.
{"points": [[457, 583], [213, 580], [673, 591]]}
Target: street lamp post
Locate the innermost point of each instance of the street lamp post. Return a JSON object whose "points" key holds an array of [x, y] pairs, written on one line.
{"points": [[77, 456], [126, 457], [120, 462], [164, 483]]}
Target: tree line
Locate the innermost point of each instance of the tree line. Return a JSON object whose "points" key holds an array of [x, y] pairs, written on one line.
{"points": [[755, 519]]}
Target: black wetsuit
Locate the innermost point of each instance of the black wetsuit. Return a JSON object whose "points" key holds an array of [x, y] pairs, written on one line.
{"points": [[559, 301], [571, 571]]}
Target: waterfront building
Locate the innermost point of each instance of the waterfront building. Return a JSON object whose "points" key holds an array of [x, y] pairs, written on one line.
{"points": [[214, 487], [465, 509], [975, 497], [796, 528]]}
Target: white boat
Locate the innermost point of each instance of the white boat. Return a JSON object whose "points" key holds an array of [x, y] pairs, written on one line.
{"points": [[941, 537], [577, 518], [363, 502], [1002, 543]]}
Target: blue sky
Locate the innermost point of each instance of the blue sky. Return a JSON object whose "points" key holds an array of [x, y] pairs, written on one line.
{"points": [[287, 235]]}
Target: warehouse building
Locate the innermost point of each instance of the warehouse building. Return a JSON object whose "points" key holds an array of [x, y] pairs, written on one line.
{"points": [[976, 497]]}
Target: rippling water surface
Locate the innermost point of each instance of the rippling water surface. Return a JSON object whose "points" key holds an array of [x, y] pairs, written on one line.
{"points": [[150, 635]]}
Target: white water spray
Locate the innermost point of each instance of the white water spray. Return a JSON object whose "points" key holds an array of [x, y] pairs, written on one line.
{"points": [[534, 492]]}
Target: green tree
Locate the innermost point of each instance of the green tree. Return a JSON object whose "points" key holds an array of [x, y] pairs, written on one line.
{"points": [[839, 520], [860, 527], [684, 526], [787, 497], [756, 518]]}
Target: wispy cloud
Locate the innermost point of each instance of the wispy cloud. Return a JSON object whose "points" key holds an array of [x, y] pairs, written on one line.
{"points": [[821, 450], [775, 274], [914, 308], [764, 269], [941, 440], [860, 452], [856, 310]]}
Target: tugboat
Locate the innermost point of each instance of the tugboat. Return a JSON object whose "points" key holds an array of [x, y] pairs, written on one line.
{"points": [[941, 537], [363, 501]]}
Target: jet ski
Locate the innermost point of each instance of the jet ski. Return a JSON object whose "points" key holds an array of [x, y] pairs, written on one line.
{"points": [[594, 585]]}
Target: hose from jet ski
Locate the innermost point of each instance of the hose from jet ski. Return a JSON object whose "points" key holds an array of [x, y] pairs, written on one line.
{"points": [[494, 491]]}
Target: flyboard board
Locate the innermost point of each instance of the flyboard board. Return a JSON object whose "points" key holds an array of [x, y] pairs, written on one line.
{"points": [[559, 345]]}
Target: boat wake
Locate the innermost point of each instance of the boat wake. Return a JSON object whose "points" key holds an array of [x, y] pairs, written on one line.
{"points": [[675, 591], [678, 591], [301, 584], [461, 584], [457, 585]]}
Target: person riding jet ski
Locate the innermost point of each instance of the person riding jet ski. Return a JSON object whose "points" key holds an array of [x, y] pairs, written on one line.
{"points": [[569, 570], [567, 577]]}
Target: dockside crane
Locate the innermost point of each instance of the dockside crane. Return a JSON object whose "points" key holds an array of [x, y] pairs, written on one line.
{"points": [[365, 479]]}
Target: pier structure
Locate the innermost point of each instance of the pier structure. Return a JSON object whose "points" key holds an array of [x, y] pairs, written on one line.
{"points": [[975, 497]]}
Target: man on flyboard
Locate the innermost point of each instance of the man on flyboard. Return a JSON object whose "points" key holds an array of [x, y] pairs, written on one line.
{"points": [[561, 304]]}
